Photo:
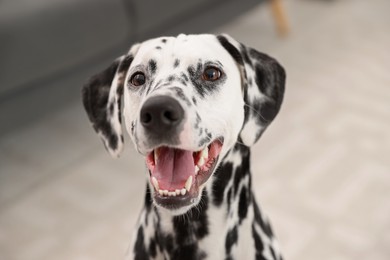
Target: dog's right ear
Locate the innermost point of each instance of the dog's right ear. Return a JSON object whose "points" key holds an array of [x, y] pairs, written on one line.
{"points": [[102, 96]]}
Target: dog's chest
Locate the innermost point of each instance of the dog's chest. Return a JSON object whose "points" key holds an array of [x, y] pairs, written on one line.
{"points": [[212, 236]]}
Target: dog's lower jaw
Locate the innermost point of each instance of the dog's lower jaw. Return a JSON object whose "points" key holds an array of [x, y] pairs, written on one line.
{"points": [[176, 211], [225, 224], [179, 211]]}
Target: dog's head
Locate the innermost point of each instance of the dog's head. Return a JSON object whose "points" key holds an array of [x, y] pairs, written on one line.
{"points": [[187, 101]]}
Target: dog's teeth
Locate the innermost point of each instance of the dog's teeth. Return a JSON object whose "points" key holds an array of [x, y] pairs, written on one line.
{"points": [[161, 192], [177, 192], [205, 153], [183, 191], [155, 183], [201, 162], [196, 169], [165, 192], [156, 155], [172, 193], [188, 183]]}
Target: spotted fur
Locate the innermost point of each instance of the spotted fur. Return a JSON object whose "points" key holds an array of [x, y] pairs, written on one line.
{"points": [[224, 221]]}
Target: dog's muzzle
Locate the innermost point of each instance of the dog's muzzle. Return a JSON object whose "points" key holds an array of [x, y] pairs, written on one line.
{"points": [[177, 175]]}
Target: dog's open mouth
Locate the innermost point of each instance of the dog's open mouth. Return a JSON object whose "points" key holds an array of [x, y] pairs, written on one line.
{"points": [[176, 175]]}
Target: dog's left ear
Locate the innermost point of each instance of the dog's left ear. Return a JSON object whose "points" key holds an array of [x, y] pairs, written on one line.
{"points": [[263, 80], [102, 96]]}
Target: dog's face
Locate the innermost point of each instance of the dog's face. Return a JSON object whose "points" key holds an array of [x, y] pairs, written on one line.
{"points": [[187, 101], [179, 94]]}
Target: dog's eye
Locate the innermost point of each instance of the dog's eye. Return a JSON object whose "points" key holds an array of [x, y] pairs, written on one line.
{"points": [[211, 74], [138, 79]]}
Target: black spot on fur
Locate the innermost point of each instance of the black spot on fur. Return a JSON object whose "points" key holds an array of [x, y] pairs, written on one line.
{"points": [[152, 248], [158, 47], [208, 134], [204, 141], [184, 76], [111, 109], [183, 82], [194, 100], [168, 243], [259, 246], [265, 226], [186, 252], [120, 112], [180, 94], [197, 121], [199, 223], [201, 226], [229, 199], [152, 66], [171, 78], [261, 79], [243, 169], [231, 49], [245, 55], [164, 40], [177, 63], [113, 141], [231, 239], [132, 127], [125, 64], [243, 204], [250, 81], [222, 178], [148, 198], [267, 111], [140, 252], [247, 109], [272, 252], [119, 93]]}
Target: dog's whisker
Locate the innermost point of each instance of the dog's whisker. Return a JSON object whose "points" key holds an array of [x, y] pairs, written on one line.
{"points": [[256, 111]]}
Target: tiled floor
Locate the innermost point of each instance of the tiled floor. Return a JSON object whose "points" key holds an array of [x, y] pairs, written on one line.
{"points": [[322, 168]]}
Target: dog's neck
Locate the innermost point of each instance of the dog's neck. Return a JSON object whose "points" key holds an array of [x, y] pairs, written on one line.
{"points": [[226, 202]]}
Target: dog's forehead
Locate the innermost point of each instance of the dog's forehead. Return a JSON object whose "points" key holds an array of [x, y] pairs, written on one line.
{"points": [[182, 50]]}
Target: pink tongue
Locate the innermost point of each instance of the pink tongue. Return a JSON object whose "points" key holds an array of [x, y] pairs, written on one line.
{"points": [[173, 168]]}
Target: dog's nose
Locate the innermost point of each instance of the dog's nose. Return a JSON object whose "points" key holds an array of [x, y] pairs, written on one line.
{"points": [[161, 113]]}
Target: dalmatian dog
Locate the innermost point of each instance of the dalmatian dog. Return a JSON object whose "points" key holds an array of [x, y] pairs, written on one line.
{"points": [[193, 106]]}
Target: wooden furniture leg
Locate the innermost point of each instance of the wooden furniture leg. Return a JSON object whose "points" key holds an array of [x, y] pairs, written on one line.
{"points": [[280, 17]]}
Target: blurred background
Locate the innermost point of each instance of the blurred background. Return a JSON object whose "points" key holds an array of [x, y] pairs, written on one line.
{"points": [[321, 170]]}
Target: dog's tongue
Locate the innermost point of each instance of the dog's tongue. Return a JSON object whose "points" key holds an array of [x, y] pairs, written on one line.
{"points": [[173, 167]]}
